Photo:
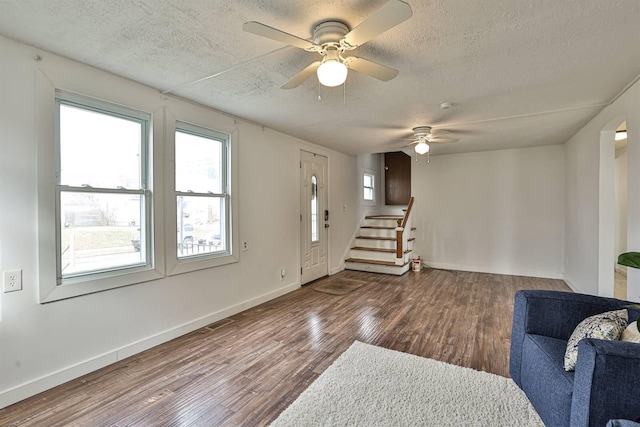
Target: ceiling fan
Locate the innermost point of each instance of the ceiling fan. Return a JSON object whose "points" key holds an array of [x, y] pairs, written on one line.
{"points": [[425, 135], [331, 39]]}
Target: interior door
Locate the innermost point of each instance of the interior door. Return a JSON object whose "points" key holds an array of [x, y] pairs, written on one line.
{"points": [[314, 216], [397, 178]]}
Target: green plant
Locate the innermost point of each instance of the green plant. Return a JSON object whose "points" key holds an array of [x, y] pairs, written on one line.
{"points": [[631, 259]]}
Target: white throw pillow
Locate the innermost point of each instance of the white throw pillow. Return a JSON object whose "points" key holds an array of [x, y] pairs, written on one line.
{"points": [[604, 326], [631, 333]]}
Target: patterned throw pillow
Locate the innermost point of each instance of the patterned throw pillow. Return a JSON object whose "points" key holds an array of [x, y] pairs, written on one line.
{"points": [[604, 326]]}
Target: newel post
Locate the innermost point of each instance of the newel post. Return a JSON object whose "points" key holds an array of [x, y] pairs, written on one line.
{"points": [[399, 248]]}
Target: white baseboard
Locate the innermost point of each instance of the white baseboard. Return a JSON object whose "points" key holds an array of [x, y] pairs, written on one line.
{"points": [[337, 269], [494, 270], [573, 287], [31, 388]]}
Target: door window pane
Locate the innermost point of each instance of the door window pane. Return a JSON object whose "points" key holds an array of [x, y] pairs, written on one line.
{"points": [[314, 209]]}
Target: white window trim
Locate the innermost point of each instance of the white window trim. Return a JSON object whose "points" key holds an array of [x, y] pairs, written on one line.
{"points": [[371, 172], [178, 266], [49, 290]]}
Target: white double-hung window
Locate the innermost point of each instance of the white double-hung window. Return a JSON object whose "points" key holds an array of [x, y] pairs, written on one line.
{"points": [[368, 183], [202, 192], [103, 203]]}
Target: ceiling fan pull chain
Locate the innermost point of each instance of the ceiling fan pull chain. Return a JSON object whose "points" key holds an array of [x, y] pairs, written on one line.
{"points": [[319, 97]]}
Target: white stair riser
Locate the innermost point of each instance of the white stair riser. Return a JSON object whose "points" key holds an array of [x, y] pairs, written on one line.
{"points": [[372, 255], [381, 222], [385, 269], [376, 232], [379, 244]]}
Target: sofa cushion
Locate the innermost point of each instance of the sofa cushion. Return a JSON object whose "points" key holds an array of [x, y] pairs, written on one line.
{"points": [[547, 385], [604, 326]]}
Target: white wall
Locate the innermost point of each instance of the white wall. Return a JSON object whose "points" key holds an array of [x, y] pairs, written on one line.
{"points": [[42, 345], [584, 267], [496, 211]]}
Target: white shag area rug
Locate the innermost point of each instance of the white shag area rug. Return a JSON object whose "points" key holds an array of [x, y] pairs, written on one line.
{"points": [[374, 386]]}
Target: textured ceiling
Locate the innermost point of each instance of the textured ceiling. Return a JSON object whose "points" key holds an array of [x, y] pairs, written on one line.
{"points": [[518, 72]]}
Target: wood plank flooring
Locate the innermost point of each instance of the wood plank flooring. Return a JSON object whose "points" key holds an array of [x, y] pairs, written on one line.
{"points": [[248, 371]]}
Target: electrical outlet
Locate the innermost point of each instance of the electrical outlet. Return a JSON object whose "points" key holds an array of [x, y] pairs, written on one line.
{"points": [[245, 245], [12, 280]]}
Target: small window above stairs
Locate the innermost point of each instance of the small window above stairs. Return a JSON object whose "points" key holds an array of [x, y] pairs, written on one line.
{"points": [[375, 246]]}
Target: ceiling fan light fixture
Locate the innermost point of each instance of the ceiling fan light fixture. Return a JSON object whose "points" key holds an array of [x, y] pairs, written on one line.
{"points": [[332, 73], [422, 147]]}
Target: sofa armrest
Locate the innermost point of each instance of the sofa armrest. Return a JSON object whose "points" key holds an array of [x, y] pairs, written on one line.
{"points": [[606, 383], [552, 314]]}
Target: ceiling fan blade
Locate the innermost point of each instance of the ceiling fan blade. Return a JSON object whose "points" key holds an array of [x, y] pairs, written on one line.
{"points": [[436, 139], [364, 66], [437, 132], [409, 144], [303, 75], [277, 35], [388, 16]]}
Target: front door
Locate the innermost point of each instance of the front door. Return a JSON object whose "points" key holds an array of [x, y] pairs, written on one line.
{"points": [[314, 216]]}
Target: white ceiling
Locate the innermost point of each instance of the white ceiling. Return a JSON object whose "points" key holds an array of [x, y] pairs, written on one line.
{"points": [[518, 72]]}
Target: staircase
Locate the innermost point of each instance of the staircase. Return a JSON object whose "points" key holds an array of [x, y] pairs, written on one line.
{"points": [[376, 246]]}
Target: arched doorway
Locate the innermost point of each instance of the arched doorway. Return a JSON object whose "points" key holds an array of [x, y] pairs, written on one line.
{"points": [[612, 209]]}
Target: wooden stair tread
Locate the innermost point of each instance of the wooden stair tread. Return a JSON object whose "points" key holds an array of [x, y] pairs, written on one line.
{"points": [[384, 217], [361, 248], [376, 238], [377, 227], [371, 261]]}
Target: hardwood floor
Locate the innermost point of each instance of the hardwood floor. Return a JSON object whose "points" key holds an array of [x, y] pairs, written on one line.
{"points": [[249, 370]]}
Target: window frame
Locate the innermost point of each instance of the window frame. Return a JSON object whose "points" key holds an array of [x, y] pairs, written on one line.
{"points": [[224, 139], [206, 128], [372, 174], [113, 110], [52, 286]]}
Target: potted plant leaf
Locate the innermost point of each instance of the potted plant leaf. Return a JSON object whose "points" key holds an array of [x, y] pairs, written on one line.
{"points": [[631, 259]]}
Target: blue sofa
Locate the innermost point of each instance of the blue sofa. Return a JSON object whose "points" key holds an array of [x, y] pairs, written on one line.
{"points": [[606, 382]]}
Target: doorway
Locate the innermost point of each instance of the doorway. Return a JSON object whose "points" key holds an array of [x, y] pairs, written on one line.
{"points": [[612, 209], [620, 182], [314, 216]]}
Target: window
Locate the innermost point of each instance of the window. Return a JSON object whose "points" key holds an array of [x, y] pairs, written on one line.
{"points": [[102, 193], [202, 189], [315, 232], [369, 180]]}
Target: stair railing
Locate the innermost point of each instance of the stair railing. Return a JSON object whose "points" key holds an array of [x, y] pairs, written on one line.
{"points": [[403, 231]]}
